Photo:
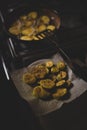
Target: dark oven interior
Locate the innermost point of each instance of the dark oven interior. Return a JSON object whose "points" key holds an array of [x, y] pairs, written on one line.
{"points": [[71, 34], [71, 37]]}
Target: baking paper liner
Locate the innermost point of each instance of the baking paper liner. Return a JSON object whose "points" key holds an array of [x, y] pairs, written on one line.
{"points": [[41, 107]]}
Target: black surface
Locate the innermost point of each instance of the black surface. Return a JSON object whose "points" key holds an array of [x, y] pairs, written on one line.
{"points": [[15, 113], [72, 116]]}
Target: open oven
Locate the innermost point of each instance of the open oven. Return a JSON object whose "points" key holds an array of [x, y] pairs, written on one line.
{"points": [[68, 43]]}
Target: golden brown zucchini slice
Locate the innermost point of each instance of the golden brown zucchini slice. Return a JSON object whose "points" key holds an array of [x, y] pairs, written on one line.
{"points": [[33, 15], [51, 27], [59, 93], [26, 38], [39, 92], [47, 83], [61, 65], [49, 64], [42, 28], [29, 78], [62, 75], [40, 71], [60, 83], [45, 19], [54, 69]]}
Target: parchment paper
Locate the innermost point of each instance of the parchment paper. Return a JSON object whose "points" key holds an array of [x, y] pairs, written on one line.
{"points": [[41, 107]]}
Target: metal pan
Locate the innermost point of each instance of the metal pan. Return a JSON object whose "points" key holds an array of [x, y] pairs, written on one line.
{"points": [[16, 13]]}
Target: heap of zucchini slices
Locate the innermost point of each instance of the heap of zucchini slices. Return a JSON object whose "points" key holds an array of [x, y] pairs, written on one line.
{"points": [[49, 80]]}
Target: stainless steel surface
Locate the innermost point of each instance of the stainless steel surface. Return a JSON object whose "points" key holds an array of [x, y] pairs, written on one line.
{"points": [[5, 68]]}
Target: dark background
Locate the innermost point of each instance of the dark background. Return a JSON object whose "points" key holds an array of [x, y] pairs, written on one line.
{"points": [[15, 113]]}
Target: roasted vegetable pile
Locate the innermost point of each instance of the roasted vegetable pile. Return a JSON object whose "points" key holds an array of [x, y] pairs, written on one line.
{"points": [[49, 80], [27, 26]]}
